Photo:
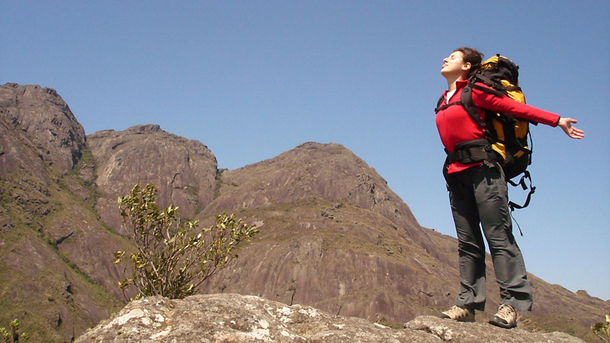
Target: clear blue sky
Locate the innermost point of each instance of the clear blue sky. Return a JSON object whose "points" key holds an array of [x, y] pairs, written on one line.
{"points": [[252, 79]]}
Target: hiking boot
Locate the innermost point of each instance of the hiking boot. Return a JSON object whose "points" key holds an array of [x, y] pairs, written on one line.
{"points": [[505, 318], [458, 313]]}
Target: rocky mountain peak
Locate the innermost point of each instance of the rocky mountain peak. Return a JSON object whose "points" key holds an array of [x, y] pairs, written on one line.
{"points": [[47, 120], [144, 128], [315, 171], [183, 170]]}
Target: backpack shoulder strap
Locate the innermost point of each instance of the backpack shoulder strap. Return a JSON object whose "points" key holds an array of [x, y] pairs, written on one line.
{"points": [[440, 101], [468, 104], [439, 104], [492, 86]]}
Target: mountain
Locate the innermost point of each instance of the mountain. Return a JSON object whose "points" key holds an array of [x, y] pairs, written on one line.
{"points": [[184, 170], [56, 276], [333, 235]]}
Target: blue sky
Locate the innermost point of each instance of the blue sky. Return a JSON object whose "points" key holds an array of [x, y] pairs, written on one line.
{"points": [[252, 79]]}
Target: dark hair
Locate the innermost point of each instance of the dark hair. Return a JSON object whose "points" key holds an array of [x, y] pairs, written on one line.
{"points": [[472, 56]]}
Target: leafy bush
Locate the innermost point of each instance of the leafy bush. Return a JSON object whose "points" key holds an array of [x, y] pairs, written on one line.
{"points": [[12, 334], [173, 258], [602, 330]]}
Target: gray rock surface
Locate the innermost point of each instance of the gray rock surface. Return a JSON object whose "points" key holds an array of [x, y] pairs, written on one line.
{"points": [[452, 331], [237, 318]]}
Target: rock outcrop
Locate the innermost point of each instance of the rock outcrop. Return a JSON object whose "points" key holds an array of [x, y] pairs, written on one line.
{"points": [[239, 319]]}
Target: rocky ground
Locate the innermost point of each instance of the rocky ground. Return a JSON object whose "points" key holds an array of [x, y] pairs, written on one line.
{"points": [[237, 318]]}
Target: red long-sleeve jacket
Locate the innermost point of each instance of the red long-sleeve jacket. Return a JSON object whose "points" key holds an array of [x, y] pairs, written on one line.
{"points": [[456, 126]]}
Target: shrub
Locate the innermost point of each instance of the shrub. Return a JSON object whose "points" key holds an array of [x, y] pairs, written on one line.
{"points": [[602, 330], [173, 258], [12, 334]]}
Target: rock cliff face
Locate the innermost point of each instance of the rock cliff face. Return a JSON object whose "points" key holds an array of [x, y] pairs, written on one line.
{"points": [[333, 235], [53, 247], [47, 120], [183, 170], [240, 319]]}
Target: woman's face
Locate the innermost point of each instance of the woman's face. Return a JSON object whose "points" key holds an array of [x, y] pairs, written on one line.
{"points": [[454, 64]]}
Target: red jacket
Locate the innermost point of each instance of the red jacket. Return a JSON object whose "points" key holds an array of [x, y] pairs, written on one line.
{"points": [[455, 125]]}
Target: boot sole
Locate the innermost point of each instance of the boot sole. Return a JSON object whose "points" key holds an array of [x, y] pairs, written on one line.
{"points": [[498, 323], [444, 316]]}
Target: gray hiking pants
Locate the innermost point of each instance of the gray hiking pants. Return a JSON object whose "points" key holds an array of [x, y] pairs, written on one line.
{"points": [[479, 195]]}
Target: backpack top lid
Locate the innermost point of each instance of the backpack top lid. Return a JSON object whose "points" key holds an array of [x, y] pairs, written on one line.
{"points": [[499, 68]]}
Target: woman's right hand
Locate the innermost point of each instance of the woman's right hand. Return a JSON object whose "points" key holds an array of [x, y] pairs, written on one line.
{"points": [[566, 125]]}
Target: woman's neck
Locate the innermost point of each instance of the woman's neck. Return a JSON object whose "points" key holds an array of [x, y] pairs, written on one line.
{"points": [[452, 82]]}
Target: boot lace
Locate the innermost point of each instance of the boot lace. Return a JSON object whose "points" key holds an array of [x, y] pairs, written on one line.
{"points": [[506, 311]]}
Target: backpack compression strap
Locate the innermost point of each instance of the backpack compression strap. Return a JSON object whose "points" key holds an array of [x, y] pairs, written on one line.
{"points": [[526, 175], [440, 106], [497, 87]]}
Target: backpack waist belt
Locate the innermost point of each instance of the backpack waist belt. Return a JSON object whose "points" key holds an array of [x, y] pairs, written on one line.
{"points": [[474, 151]]}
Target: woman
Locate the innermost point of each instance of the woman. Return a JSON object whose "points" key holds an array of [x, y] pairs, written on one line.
{"points": [[478, 195]]}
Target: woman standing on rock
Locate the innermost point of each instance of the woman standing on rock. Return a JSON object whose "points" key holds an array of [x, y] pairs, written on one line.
{"points": [[479, 196]]}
